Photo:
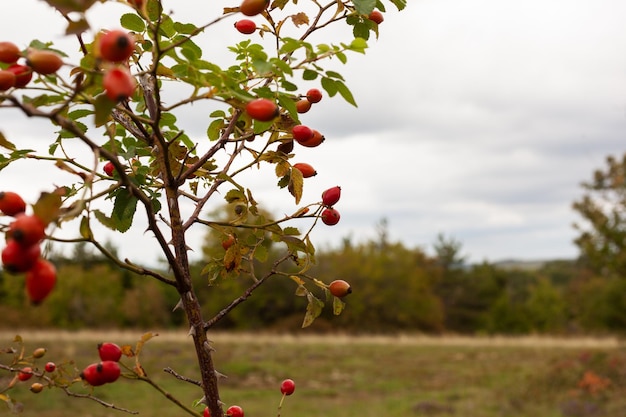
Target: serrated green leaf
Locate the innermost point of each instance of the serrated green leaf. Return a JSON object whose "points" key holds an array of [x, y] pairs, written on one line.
{"points": [[313, 309], [400, 4], [234, 195], [124, 209], [132, 22], [291, 231], [364, 7]]}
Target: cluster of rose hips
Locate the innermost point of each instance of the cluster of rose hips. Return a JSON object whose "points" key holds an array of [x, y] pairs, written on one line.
{"points": [[18, 74], [27, 372], [115, 47], [22, 252], [108, 369]]}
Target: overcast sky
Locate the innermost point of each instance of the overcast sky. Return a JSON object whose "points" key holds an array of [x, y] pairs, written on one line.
{"points": [[476, 119]]}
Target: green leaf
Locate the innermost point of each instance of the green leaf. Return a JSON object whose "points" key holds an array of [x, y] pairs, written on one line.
{"points": [[291, 231], [330, 86], [260, 253], [309, 75], [400, 4], [132, 22], [345, 93], [124, 210], [364, 7], [185, 28], [338, 306], [358, 45], [313, 309], [234, 195], [103, 107], [215, 128], [5, 143]]}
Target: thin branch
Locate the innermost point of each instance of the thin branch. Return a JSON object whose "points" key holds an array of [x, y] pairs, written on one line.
{"points": [[210, 323]]}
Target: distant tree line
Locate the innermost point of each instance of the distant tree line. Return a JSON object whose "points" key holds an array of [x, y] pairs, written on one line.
{"points": [[395, 289]]}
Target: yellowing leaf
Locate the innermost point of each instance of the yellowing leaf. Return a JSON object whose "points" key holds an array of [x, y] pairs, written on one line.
{"points": [[313, 310], [296, 184], [47, 207], [300, 19], [5, 143]]}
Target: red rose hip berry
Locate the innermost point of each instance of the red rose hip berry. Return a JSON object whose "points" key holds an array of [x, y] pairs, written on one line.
{"points": [[306, 169], [339, 288], [23, 74], [109, 352], [11, 203], [40, 280], [287, 387], [118, 84], [25, 373], [330, 216], [314, 95], [245, 26], [116, 45], [9, 52], [376, 17], [110, 371], [331, 196], [109, 168], [92, 374], [262, 109], [302, 133], [50, 367], [234, 411], [27, 229], [17, 258]]}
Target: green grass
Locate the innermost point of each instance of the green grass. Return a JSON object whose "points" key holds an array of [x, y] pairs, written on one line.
{"points": [[347, 377]]}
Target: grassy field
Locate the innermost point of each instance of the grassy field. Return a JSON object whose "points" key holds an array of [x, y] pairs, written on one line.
{"points": [[353, 376]]}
